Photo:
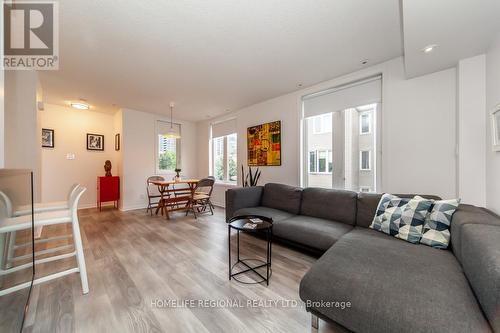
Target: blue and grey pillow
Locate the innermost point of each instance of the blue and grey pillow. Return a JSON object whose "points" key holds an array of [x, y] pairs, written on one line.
{"points": [[387, 201], [437, 224], [402, 218]]}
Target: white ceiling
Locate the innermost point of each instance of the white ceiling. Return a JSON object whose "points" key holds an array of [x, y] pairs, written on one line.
{"points": [[460, 28], [209, 56]]}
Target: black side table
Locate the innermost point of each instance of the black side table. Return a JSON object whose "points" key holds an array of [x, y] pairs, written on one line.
{"points": [[266, 226]]}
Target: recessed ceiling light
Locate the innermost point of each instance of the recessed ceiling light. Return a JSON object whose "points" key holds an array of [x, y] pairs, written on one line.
{"points": [[80, 106], [429, 48]]}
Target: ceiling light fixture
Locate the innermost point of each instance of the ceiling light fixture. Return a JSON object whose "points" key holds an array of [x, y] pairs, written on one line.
{"points": [[429, 48], [80, 106], [171, 132]]}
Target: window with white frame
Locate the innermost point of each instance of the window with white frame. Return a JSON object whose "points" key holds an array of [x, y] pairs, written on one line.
{"points": [[322, 123], [364, 160], [320, 161], [167, 149], [365, 123], [224, 158]]}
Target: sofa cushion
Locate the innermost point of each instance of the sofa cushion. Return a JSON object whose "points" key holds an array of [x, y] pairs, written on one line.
{"points": [[275, 214], [335, 205], [283, 197], [437, 224], [313, 232], [464, 215], [481, 263], [402, 218], [367, 206], [393, 286]]}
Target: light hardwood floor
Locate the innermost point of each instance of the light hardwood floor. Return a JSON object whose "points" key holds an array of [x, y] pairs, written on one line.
{"points": [[134, 259]]}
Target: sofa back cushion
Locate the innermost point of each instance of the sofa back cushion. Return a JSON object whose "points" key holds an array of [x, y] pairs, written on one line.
{"points": [[336, 205], [367, 206], [465, 215], [283, 197], [481, 264]]}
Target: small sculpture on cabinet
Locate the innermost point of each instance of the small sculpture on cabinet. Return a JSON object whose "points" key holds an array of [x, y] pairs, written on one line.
{"points": [[107, 168]]}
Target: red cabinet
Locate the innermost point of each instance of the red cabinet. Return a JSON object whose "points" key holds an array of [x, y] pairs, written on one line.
{"points": [[108, 189]]}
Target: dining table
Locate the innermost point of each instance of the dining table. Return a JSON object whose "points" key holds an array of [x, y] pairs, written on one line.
{"points": [[172, 198]]}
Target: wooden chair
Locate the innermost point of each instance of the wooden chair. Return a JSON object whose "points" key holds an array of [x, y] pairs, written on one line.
{"points": [[200, 197], [153, 194], [10, 225]]}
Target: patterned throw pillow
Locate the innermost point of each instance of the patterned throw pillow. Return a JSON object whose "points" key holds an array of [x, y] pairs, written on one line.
{"points": [[387, 201], [437, 224], [402, 218]]}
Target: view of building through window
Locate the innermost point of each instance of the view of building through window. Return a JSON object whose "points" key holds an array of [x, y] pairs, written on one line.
{"points": [[339, 148], [167, 150], [224, 158]]}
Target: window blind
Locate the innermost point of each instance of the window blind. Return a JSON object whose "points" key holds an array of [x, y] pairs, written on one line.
{"points": [[224, 128], [344, 97]]}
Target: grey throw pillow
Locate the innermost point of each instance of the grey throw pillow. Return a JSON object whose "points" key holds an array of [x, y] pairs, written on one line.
{"points": [[437, 223]]}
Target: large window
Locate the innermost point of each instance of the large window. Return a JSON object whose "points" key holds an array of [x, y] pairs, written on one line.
{"points": [[341, 137], [224, 158], [168, 149]]}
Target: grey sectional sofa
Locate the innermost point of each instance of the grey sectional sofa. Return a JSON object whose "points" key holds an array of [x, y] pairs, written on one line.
{"points": [[391, 285]]}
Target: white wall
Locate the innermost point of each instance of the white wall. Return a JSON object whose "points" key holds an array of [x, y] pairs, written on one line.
{"points": [[471, 125], [492, 99], [418, 131], [138, 154], [70, 133]]}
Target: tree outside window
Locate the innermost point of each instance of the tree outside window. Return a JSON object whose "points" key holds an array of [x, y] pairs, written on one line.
{"points": [[224, 158]]}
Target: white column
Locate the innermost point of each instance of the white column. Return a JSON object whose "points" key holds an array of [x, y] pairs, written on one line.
{"points": [[471, 126]]}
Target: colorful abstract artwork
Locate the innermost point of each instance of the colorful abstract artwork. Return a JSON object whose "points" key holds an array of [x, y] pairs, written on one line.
{"points": [[264, 144]]}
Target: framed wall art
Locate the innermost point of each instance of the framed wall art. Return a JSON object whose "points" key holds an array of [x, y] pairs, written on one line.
{"points": [[264, 144], [47, 138], [95, 142], [495, 128]]}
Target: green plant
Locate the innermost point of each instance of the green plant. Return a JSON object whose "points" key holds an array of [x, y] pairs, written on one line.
{"points": [[167, 161], [251, 179]]}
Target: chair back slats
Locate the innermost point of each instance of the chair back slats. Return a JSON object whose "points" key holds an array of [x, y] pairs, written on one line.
{"points": [[205, 185]]}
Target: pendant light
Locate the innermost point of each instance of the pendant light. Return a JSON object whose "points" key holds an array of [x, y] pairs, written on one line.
{"points": [[171, 132]]}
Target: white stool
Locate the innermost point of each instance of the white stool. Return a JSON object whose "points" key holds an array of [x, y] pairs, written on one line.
{"points": [[9, 226]]}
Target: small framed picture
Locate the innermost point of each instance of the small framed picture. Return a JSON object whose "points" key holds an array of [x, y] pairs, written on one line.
{"points": [[495, 121], [47, 138], [117, 141], [95, 142]]}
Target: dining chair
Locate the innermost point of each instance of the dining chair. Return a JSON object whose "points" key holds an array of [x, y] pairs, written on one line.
{"points": [[200, 197], [153, 193], [9, 225]]}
